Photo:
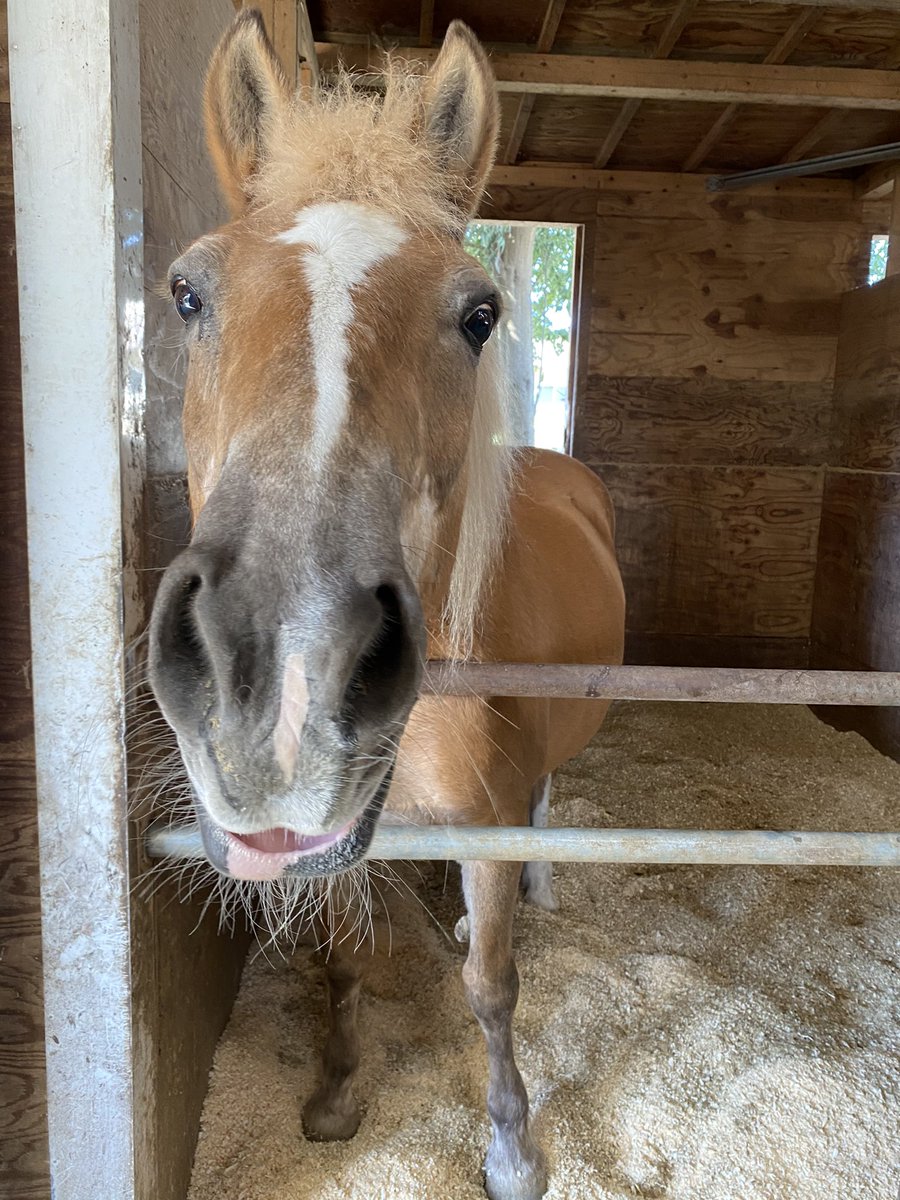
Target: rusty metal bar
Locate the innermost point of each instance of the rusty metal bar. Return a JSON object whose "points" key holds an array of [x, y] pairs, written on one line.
{"points": [[687, 846], [722, 685]]}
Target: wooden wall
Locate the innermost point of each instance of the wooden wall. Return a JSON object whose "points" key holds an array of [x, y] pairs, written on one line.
{"points": [[856, 613], [705, 400], [185, 977], [23, 1128]]}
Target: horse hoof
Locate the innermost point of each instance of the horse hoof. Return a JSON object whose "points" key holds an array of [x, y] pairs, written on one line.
{"points": [[542, 897], [329, 1122], [523, 1178]]}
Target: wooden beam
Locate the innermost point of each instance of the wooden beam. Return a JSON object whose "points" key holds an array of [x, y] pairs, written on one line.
{"points": [[549, 26], [528, 175], [426, 23], [306, 46], [284, 38], [674, 28], [889, 6], [617, 131], [812, 137], [876, 183], [662, 79], [779, 53], [629, 109]]}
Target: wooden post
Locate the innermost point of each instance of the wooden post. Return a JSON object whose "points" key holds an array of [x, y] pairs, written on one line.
{"points": [[74, 67]]}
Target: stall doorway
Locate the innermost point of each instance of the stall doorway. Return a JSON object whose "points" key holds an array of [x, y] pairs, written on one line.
{"points": [[534, 266]]}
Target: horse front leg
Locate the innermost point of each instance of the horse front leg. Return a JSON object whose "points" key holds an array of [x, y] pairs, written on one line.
{"points": [[332, 1113], [514, 1167]]}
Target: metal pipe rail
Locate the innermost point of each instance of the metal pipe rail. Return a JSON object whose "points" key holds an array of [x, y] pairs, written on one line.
{"points": [[687, 846], [720, 685]]}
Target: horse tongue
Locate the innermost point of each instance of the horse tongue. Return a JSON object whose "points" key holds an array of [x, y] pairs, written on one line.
{"points": [[283, 841]]}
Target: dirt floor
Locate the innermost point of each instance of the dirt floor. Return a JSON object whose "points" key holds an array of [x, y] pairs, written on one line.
{"points": [[693, 1033]]}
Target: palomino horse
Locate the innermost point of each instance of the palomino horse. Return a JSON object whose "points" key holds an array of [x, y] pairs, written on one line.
{"points": [[355, 511]]}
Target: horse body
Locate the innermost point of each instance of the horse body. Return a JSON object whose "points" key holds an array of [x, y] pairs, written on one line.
{"points": [[354, 511], [555, 597]]}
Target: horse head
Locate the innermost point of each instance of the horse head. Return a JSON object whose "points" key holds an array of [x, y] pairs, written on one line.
{"points": [[342, 424]]}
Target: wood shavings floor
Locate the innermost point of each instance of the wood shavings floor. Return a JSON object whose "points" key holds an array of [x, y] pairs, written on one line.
{"points": [[688, 1033]]}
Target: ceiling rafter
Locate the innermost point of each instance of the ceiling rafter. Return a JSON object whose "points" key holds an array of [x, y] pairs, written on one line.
{"points": [[663, 79], [812, 137], [664, 47], [426, 23], [552, 18], [780, 52]]}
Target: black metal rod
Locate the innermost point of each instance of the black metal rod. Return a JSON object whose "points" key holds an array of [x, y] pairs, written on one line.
{"points": [[805, 166]]}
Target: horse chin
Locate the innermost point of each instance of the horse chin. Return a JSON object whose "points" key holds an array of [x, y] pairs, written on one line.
{"points": [[277, 853]]}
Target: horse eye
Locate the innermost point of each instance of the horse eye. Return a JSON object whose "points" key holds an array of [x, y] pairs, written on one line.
{"points": [[187, 302], [479, 324]]}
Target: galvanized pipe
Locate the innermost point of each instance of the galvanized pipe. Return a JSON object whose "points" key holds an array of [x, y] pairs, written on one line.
{"points": [[846, 159], [695, 846], [725, 685]]}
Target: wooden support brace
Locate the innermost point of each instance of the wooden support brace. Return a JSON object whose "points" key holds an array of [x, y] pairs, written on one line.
{"points": [[780, 52]]}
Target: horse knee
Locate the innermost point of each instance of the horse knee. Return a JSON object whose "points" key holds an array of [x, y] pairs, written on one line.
{"points": [[492, 993]]}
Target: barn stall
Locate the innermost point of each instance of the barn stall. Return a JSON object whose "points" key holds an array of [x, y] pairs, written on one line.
{"points": [[735, 387]]}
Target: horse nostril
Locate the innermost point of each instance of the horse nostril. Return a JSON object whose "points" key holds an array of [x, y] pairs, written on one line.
{"points": [[387, 668], [187, 640]]}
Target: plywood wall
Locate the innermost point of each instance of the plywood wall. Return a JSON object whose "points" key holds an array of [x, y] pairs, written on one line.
{"points": [[185, 975], [23, 1133], [856, 614], [705, 401]]}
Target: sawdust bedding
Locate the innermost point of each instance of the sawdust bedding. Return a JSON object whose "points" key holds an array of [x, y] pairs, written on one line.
{"points": [[688, 1033]]}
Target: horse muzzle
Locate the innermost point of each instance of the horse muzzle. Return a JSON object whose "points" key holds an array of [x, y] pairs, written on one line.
{"points": [[288, 695]]}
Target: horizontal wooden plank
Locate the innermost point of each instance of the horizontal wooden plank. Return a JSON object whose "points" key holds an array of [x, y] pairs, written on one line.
{"points": [[685, 651], [750, 299], [716, 551], [867, 379], [730, 351], [734, 423], [535, 174], [661, 79]]}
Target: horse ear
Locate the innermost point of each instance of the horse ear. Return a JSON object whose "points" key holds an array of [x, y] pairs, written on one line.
{"points": [[246, 92], [462, 115]]}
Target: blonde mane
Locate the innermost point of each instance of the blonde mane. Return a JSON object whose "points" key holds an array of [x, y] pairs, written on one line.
{"points": [[347, 143]]}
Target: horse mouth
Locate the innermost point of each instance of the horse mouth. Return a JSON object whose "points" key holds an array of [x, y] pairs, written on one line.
{"points": [[269, 854]]}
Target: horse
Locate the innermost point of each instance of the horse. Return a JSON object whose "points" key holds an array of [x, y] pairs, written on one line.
{"points": [[355, 511]]}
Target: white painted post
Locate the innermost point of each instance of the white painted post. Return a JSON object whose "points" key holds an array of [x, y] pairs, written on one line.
{"points": [[79, 233]]}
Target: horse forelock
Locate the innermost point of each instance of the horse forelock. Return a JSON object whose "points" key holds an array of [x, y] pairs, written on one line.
{"points": [[346, 143]]}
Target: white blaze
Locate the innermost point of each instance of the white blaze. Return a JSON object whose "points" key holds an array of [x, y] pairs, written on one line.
{"points": [[343, 242], [292, 717]]}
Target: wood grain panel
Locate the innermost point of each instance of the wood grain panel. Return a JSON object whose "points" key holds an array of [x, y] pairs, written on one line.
{"points": [[857, 596], [716, 551], [177, 41], [544, 204], [867, 379], [774, 653], [799, 201], [753, 300], [185, 974], [704, 421]]}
